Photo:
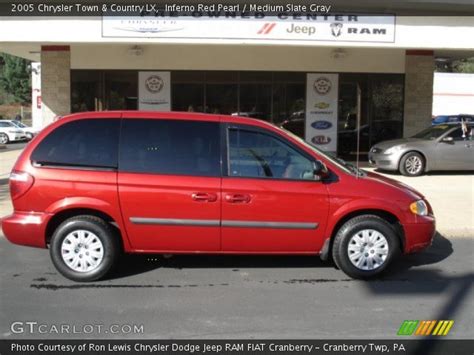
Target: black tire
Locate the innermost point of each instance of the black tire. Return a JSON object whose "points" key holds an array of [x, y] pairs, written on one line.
{"points": [[102, 230], [406, 166], [340, 249], [29, 136], [4, 138]]}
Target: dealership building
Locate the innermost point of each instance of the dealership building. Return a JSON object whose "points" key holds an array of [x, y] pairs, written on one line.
{"points": [[328, 77]]}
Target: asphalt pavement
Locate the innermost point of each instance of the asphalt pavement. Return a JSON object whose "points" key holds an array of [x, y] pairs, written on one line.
{"points": [[240, 297]]}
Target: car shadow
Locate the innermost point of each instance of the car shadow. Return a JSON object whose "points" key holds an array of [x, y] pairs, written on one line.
{"points": [[134, 264], [407, 280], [429, 173]]}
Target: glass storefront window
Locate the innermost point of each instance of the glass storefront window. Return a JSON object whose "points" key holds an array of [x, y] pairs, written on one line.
{"points": [[121, 89], [277, 97], [86, 90], [387, 107], [379, 99]]}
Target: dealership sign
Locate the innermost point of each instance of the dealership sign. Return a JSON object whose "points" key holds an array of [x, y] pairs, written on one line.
{"points": [[154, 91], [224, 25], [321, 110]]}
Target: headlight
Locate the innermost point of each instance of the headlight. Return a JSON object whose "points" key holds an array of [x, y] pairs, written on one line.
{"points": [[393, 149], [419, 207]]}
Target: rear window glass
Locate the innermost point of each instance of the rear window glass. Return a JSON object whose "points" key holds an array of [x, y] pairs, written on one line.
{"points": [[82, 143], [176, 147]]}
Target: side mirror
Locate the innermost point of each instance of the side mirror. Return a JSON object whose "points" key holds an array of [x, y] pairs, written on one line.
{"points": [[447, 140], [320, 170]]}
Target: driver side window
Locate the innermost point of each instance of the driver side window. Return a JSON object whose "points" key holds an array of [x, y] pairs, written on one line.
{"points": [[456, 134], [258, 155]]}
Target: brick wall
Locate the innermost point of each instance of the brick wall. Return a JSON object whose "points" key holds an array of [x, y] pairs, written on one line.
{"points": [[419, 70], [55, 82]]}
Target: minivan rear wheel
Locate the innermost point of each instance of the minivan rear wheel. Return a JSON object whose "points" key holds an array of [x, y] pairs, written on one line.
{"points": [[364, 246], [84, 248]]}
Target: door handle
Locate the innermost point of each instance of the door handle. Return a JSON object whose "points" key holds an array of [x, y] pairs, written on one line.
{"points": [[238, 198], [204, 197]]}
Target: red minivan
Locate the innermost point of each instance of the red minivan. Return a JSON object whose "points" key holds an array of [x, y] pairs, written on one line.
{"points": [[93, 185]]}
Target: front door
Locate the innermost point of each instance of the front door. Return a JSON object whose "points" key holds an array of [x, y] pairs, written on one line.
{"points": [[169, 184], [457, 154], [270, 199]]}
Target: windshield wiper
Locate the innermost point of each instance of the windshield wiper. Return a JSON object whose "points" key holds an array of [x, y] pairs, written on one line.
{"points": [[353, 169]]}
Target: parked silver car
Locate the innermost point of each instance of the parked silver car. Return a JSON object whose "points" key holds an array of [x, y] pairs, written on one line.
{"points": [[441, 147]]}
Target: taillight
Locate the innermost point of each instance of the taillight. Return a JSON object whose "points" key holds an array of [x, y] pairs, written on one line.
{"points": [[20, 183]]}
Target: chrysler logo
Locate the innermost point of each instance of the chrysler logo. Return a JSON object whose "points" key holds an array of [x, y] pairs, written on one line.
{"points": [[322, 85], [154, 84]]}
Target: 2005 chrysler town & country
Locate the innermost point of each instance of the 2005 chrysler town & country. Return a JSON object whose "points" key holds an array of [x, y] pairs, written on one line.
{"points": [[92, 185]]}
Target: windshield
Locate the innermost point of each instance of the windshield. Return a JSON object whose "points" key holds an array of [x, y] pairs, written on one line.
{"points": [[433, 132], [341, 163], [16, 124]]}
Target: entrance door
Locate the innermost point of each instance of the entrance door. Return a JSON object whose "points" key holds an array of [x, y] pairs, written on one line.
{"points": [[353, 126], [169, 184], [271, 201]]}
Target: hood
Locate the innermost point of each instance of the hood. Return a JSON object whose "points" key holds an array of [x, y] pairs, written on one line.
{"points": [[394, 142], [394, 183]]}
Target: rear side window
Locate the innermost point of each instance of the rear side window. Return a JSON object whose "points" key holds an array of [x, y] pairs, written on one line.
{"points": [[176, 147], [82, 143]]}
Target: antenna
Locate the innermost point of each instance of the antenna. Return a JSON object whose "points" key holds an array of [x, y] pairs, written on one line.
{"points": [[358, 127]]}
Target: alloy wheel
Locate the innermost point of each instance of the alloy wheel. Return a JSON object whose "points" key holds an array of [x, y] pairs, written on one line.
{"points": [[3, 138], [413, 165]]}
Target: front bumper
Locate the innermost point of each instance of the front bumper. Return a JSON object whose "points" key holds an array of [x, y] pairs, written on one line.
{"points": [[419, 235], [17, 137], [26, 228], [384, 161]]}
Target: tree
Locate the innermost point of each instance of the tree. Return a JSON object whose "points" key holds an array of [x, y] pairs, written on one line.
{"points": [[15, 78], [465, 65]]}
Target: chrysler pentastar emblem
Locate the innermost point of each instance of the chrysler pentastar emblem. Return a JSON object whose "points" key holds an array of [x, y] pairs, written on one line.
{"points": [[154, 84], [322, 85]]}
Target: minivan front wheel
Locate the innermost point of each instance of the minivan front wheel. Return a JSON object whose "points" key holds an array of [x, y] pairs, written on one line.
{"points": [[84, 248], [364, 246]]}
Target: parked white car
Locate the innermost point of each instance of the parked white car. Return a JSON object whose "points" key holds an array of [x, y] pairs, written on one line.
{"points": [[30, 132], [10, 132]]}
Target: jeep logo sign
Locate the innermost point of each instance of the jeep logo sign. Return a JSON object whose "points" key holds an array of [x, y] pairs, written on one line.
{"points": [[307, 30]]}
